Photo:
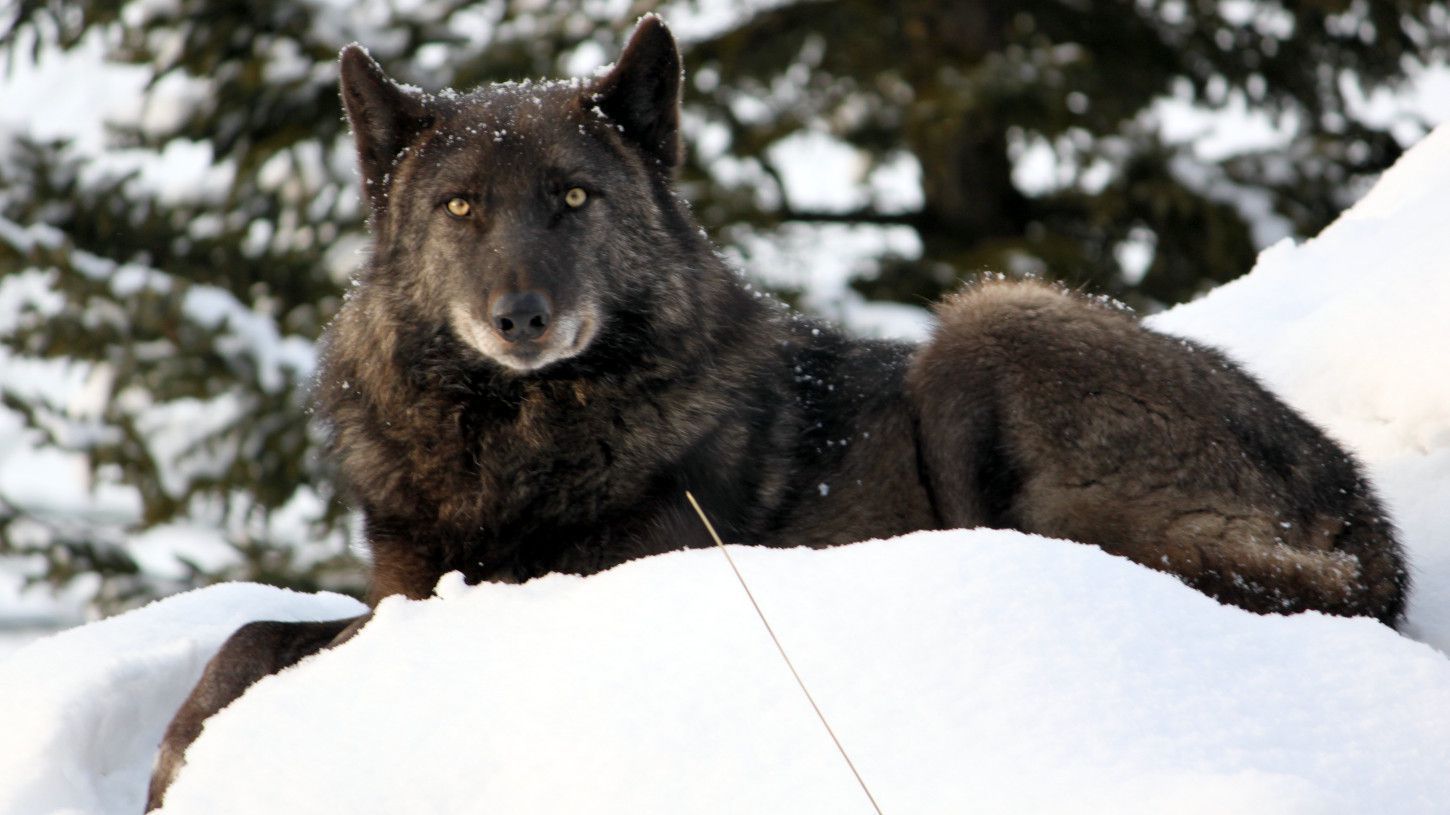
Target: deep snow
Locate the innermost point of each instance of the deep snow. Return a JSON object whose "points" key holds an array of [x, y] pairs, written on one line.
{"points": [[970, 671], [965, 672], [84, 710]]}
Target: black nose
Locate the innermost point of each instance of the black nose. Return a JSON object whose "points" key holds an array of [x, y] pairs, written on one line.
{"points": [[520, 316]]}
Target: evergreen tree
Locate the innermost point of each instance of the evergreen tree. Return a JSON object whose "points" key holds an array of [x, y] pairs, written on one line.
{"points": [[190, 306], [962, 84]]}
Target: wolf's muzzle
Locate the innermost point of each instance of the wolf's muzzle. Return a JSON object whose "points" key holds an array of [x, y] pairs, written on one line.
{"points": [[520, 316]]}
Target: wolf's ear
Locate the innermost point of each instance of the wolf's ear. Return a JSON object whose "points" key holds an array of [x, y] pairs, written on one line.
{"points": [[384, 118], [642, 92]]}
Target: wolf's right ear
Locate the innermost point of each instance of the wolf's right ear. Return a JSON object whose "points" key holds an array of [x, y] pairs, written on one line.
{"points": [[642, 92], [385, 119]]}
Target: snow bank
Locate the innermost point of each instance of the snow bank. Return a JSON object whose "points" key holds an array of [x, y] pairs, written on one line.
{"points": [[983, 671], [966, 671], [84, 710]]}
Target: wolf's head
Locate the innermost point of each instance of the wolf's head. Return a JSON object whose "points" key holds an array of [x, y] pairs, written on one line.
{"points": [[524, 215]]}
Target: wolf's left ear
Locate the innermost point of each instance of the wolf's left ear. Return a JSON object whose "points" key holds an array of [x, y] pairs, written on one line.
{"points": [[385, 118], [642, 92]]}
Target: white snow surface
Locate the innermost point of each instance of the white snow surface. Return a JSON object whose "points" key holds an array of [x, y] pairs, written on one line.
{"points": [[965, 671], [84, 710]]}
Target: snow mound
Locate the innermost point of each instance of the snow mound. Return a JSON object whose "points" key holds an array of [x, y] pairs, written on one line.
{"points": [[980, 671], [84, 710]]}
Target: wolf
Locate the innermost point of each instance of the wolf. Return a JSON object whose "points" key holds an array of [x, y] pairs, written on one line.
{"points": [[544, 352]]}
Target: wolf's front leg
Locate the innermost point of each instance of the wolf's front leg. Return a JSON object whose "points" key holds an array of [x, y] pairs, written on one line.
{"points": [[256, 650]]}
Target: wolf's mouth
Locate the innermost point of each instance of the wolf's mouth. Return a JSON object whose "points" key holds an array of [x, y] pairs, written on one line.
{"points": [[569, 335]]}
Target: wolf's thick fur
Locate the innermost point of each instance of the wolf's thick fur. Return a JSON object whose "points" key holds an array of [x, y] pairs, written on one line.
{"points": [[651, 368]]}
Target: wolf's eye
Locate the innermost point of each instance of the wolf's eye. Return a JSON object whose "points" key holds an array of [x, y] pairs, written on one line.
{"points": [[575, 197], [459, 208]]}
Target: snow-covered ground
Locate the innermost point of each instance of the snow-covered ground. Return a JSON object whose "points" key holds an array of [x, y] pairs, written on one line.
{"points": [[966, 671]]}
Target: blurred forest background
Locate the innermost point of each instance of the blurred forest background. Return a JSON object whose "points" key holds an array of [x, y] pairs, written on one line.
{"points": [[163, 277]]}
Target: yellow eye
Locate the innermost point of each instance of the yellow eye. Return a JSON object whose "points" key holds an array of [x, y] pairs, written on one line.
{"points": [[459, 208], [575, 197]]}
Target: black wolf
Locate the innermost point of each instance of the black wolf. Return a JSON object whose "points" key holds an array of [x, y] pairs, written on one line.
{"points": [[544, 352]]}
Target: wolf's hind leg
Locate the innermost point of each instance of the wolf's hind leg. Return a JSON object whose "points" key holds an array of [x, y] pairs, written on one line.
{"points": [[1053, 414], [1235, 554], [256, 650]]}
